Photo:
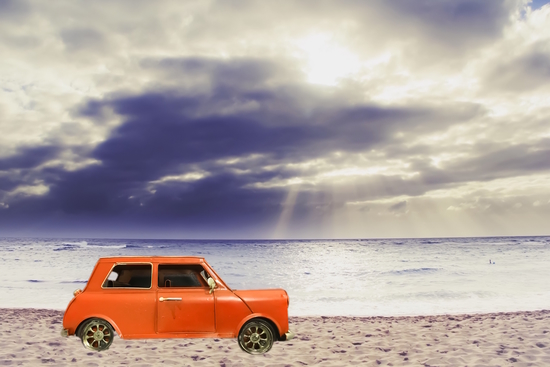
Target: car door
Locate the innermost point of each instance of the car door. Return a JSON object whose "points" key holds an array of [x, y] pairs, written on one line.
{"points": [[128, 298], [184, 301]]}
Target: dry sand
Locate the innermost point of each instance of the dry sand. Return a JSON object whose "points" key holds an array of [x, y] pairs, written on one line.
{"points": [[31, 337]]}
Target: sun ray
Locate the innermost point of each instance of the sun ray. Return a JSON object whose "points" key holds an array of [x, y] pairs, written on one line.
{"points": [[287, 209]]}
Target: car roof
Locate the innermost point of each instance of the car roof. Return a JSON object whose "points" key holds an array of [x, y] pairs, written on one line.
{"points": [[166, 259]]}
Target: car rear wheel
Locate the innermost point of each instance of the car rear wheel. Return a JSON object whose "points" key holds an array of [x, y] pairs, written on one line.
{"points": [[256, 337], [97, 335]]}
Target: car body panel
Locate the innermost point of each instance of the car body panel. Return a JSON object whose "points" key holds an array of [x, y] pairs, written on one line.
{"points": [[155, 311], [268, 303], [187, 310], [229, 308]]}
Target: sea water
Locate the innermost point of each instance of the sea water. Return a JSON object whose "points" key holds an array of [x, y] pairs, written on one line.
{"points": [[363, 277]]}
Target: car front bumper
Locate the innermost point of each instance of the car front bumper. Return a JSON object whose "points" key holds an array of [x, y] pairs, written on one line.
{"points": [[65, 332], [288, 335]]}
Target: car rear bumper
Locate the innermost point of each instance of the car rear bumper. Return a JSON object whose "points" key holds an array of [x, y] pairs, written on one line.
{"points": [[65, 332]]}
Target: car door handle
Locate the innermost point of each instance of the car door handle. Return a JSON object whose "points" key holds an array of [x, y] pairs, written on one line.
{"points": [[162, 299]]}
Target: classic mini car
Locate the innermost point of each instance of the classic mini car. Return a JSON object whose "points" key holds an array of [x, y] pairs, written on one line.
{"points": [[172, 297]]}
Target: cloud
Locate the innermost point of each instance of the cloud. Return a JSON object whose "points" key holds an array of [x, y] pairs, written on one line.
{"points": [[82, 38], [8, 183], [457, 23], [236, 118], [524, 72], [13, 9], [29, 157], [508, 161], [237, 114], [173, 133], [398, 207]]}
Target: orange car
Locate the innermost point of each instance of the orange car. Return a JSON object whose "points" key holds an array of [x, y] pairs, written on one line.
{"points": [[172, 297]]}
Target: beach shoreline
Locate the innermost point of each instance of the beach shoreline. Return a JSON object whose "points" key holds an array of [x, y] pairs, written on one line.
{"points": [[32, 337]]}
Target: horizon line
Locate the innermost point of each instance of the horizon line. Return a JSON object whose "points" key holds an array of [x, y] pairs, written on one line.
{"points": [[277, 239]]}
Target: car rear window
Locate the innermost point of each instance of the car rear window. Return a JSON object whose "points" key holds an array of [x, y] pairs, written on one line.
{"points": [[129, 276]]}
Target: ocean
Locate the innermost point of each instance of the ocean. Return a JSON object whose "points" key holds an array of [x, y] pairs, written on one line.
{"points": [[362, 277]]}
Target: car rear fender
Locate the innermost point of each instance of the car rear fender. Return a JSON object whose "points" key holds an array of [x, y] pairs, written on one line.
{"points": [[99, 316]]}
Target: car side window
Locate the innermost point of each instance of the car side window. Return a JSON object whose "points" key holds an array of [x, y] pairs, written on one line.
{"points": [[181, 276], [129, 276]]}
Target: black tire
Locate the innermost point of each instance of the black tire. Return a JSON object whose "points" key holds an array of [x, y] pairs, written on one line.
{"points": [[256, 337], [97, 335]]}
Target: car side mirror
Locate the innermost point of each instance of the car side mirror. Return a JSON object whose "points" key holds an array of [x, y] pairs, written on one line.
{"points": [[212, 284]]}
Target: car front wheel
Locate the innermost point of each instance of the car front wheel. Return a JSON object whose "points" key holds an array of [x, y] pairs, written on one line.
{"points": [[256, 337], [97, 335]]}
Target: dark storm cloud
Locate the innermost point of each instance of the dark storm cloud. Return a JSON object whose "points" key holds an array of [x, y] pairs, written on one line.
{"points": [[112, 197], [8, 183], [28, 157], [220, 196], [174, 132], [163, 130], [193, 128], [160, 130]]}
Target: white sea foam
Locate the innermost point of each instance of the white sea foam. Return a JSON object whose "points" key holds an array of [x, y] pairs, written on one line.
{"points": [[341, 277]]}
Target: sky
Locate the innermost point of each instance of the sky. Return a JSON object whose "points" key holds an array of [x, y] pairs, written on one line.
{"points": [[270, 120]]}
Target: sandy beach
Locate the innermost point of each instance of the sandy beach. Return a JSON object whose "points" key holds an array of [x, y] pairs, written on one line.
{"points": [[31, 337]]}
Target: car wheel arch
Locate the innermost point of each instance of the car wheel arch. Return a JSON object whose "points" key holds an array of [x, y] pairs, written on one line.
{"points": [[273, 324]]}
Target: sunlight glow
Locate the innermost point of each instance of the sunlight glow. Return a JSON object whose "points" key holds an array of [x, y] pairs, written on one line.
{"points": [[72, 165], [186, 177], [328, 173], [435, 161], [27, 190], [354, 171], [191, 176], [389, 200], [402, 92], [326, 61], [237, 160], [278, 183]]}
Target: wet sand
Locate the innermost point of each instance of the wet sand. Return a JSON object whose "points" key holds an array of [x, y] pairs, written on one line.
{"points": [[31, 337]]}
